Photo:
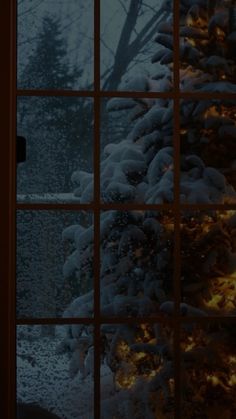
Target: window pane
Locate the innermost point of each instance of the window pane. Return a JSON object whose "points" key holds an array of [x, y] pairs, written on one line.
{"points": [[131, 57], [52, 267], [137, 151], [136, 263], [59, 149], [209, 367], [209, 263], [207, 46], [45, 377], [208, 151], [137, 371], [55, 44]]}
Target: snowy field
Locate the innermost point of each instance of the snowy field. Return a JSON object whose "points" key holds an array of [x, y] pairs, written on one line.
{"points": [[43, 378], [59, 198]]}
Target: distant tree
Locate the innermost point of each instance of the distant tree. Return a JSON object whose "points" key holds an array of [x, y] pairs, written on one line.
{"points": [[47, 67], [55, 136]]}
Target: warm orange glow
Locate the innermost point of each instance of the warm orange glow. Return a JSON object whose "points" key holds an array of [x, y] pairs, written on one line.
{"points": [[192, 42], [222, 374], [131, 362], [128, 373], [226, 215], [212, 111], [123, 349], [232, 359], [232, 380], [226, 381], [193, 341], [199, 22], [223, 293], [190, 344], [172, 385], [232, 362], [189, 20], [216, 381], [220, 34], [204, 42], [127, 376], [146, 332], [125, 379], [189, 72]]}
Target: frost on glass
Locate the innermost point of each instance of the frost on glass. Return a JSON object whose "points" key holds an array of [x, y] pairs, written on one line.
{"points": [[136, 263], [137, 371], [59, 148], [208, 371], [53, 269], [136, 45], [45, 381], [208, 259], [208, 151], [55, 44], [207, 46], [137, 151]]}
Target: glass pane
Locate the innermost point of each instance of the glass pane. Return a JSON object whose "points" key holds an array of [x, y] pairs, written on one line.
{"points": [[46, 380], [137, 371], [209, 263], [208, 151], [209, 371], [207, 46], [59, 149], [131, 57], [136, 263], [55, 44], [137, 151], [52, 266]]}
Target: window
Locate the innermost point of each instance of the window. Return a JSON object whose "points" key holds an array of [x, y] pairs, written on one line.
{"points": [[133, 315]]}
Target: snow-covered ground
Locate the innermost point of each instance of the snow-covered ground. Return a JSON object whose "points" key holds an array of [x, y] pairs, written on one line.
{"points": [[43, 377], [50, 198]]}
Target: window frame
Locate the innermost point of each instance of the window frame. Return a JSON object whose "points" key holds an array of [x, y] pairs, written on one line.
{"points": [[9, 206], [7, 237]]}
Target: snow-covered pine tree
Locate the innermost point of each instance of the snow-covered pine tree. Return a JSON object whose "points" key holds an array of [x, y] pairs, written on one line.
{"points": [[139, 169], [207, 34], [208, 132], [208, 129]]}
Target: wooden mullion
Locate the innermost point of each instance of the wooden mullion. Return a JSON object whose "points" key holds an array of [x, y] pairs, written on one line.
{"points": [[97, 323], [177, 245]]}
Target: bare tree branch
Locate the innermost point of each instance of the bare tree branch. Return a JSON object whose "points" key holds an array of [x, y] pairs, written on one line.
{"points": [[106, 72], [126, 51], [27, 41], [70, 23], [107, 47], [123, 5], [121, 57], [144, 34], [150, 7], [31, 9]]}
